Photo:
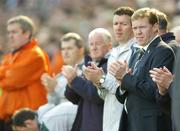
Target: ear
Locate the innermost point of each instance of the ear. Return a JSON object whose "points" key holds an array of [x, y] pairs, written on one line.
{"points": [[155, 27], [81, 50], [28, 123], [110, 45], [27, 34]]}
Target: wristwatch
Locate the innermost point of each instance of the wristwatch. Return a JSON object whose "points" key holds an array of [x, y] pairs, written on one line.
{"points": [[102, 79]]}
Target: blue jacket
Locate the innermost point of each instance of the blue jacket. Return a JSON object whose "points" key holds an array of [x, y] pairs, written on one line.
{"points": [[90, 105], [144, 113]]}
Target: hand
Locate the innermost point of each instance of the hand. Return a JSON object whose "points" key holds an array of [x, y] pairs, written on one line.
{"points": [[93, 74], [119, 69], [69, 72], [163, 78], [49, 82]]}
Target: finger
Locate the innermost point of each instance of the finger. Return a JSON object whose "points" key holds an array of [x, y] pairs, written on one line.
{"points": [[46, 78], [154, 77], [63, 68], [94, 66], [166, 69], [155, 80], [158, 70], [153, 72], [112, 73], [101, 69], [64, 73], [44, 75], [115, 63], [88, 70], [120, 62], [113, 68]]}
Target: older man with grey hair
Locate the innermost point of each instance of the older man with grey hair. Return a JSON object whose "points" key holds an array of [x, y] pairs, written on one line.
{"points": [[81, 91]]}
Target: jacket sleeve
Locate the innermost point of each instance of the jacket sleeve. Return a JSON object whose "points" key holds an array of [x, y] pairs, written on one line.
{"points": [[22, 72], [86, 90], [72, 96], [164, 101], [142, 85]]}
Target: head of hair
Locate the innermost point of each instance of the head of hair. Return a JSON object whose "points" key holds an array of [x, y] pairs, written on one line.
{"points": [[145, 13], [162, 19], [105, 34], [73, 36], [25, 23], [124, 11], [22, 115]]}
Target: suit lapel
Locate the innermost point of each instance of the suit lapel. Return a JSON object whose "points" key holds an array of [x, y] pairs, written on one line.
{"points": [[148, 53]]}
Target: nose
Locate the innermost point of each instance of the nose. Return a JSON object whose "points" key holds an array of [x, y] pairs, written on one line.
{"points": [[93, 46], [119, 27], [138, 31]]}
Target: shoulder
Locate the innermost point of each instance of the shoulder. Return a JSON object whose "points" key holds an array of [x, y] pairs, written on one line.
{"points": [[163, 48]]}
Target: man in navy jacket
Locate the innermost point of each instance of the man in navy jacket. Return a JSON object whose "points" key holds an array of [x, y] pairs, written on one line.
{"points": [[81, 91], [143, 113]]}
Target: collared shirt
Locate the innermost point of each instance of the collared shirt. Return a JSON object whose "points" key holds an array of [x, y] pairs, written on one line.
{"points": [[42, 127], [112, 107], [57, 96]]}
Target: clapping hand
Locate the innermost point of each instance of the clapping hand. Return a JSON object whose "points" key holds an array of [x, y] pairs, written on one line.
{"points": [[162, 77], [118, 69]]}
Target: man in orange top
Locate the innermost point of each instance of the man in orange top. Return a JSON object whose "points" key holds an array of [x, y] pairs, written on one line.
{"points": [[20, 71]]}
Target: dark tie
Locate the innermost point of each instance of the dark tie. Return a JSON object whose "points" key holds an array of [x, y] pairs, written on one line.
{"points": [[133, 56], [136, 56]]}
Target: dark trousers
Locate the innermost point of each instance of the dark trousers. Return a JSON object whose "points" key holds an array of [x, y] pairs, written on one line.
{"points": [[123, 122]]}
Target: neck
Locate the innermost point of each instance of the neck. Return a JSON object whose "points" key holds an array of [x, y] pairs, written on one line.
{"points": [[152, 38], [20, 47], [162, 32], [124, 42], [79, 61]]}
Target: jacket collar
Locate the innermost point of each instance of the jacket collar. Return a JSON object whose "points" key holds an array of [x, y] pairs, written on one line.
{"points": [[31, 43], [153, 43], [89, 59]]}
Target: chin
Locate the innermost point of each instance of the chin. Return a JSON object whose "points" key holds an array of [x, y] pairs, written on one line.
{"points": [[142, 44]]}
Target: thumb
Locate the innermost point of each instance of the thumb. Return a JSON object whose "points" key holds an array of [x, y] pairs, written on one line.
{"points": [[76, 67], [102, 71]]}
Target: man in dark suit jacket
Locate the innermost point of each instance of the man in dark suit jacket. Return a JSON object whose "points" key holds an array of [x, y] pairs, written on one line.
{"points": [[143, 113], [176, 94], [168, 91], [162, 76], [166, 36], [81, 91]]}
